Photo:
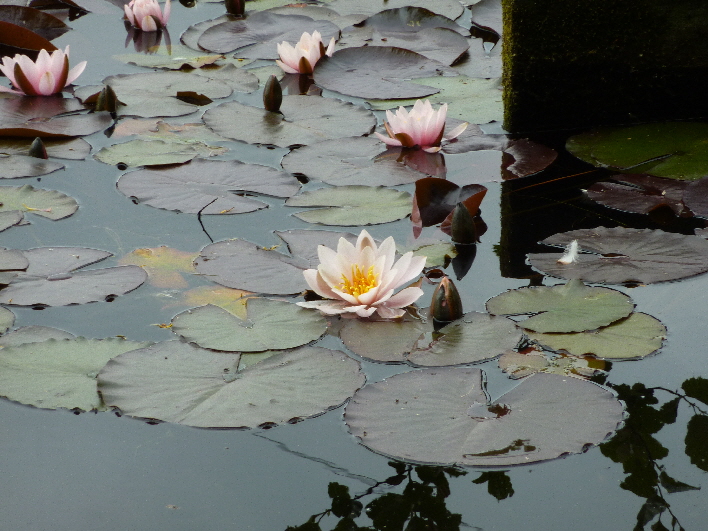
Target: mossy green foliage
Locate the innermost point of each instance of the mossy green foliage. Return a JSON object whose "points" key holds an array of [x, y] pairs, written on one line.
{"points": [[594, 62]]}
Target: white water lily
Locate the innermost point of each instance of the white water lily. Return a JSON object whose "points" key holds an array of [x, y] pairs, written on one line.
{"points": [[360, 279], [302, 58]]}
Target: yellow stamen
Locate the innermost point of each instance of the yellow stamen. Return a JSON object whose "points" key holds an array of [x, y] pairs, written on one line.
{"points": [[360, 283]]}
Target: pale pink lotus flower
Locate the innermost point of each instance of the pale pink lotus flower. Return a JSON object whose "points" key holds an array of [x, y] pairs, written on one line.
{"points": [[303, 57], [360, 279], [422, 127], [146, 14], [47, 76]]}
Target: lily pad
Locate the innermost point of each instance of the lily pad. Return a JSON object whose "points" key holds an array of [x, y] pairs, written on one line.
{"points": [[303, 243], [520, 365], [164, 265], [640, 193], [156, 129], [694, 197], [32, 334], [212, 187], [57, 117], [7, 319], [622, 255], [49, 204], [232, 300], [571, 307], [175, 57], [72, 149], [58, 373], [378, 72], [676, 150], [302, 120], [352, 205], [435, 199], [269, 325], [440, 416], [10, 218], [257, 36], [140, 152], [177, 382], [243, 265], [350, 161], [449, 8], [43, 24], [635, 337], [52, 280], [16, 166]]}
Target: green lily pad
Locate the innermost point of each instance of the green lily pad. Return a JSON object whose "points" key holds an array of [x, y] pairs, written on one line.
{"points": [[49, 204], [58, 373], [571, 307], [636, 336], [7, 319], [16, 166], [442, 416], [352, 205], [175, 57], [32, 334], [449, 8], [677, 150], [269, 325], [177, 382], [156, 152], [156, 129], [10, 218], [302, 120], [518, 365], [619, 255]]}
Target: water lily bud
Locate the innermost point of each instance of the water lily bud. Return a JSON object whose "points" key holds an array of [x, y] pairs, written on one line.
{"points": [[38, 150], [463, 228], [272, 95], [107, 100], [446, 304], [236, 7]]}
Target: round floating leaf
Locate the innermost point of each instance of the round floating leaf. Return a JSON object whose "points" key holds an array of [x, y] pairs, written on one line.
{"points": [[449, 8], [571, 307], [303, 243], [155, 152], [50, 279], [175, 57], [13, 260], [639, 193], [56, 117], [626, 255], [670, 149], [213, 187], [43, 24], [7, 319], [191, 35], [473, 338], [350, 161], [243, 265], [15, 166], [10, 218], [32, 334], [156, 129], [304, 120], [73, 149], [527, 158], [177, 382], [58, 373], [378, 72], [518, 365], [164, 265], [695, 198], [269, 325], [352, 205], [634, 337], [387, 341], [46, 203], [232, 300], [257, 36], [16, 39], [440, 416], [437, 254]]}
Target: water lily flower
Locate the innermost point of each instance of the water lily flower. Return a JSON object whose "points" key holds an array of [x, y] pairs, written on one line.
{"points": [[570, 255], [360, 279], [47, 76], [146, 14], [422, 127], [303, 57]]}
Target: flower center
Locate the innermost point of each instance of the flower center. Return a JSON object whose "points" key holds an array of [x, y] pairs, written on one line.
{"points": [[360, 283]]}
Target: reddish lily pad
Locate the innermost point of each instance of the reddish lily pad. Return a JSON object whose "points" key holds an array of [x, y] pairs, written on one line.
{"points": [[56, 117], [43, 24], [435, 199], [16, 39], [619, 255], [640, 193], [210, 187], [695, 198]]}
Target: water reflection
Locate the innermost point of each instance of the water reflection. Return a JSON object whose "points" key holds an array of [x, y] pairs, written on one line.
{"points": [[147, 42]]}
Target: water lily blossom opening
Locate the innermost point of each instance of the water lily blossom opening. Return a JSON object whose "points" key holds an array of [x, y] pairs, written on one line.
{"points": [[303, 57], [146, 14], [48, 75], [360, 279], [422, 127]]}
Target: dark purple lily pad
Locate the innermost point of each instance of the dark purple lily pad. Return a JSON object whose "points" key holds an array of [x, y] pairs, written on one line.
{"points": [[48, 117], [695, 197], [257, 36], [350, 161], [436, 198], [15, 39], [640, 193], [43, 24], [378, 72], [523, 157], [442, 416], [619, 255], [212, 187], [304, 120], [52, 280], [449, 8]]}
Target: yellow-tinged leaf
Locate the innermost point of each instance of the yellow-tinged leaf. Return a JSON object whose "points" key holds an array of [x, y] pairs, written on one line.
{"points": [[231, 300], [164, 265]]}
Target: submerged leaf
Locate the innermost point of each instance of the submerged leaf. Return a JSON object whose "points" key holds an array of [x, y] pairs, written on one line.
{"points": [[164, 265]]}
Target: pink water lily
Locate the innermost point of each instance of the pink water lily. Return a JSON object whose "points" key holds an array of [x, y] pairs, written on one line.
{"points": [[48, 75], [303, 57], [422, 127], [360, 279], [146, 14]]}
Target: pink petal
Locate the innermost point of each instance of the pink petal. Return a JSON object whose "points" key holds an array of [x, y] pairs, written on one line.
{"points": [[388, 141], [317, 284], [75, 72], [47, 84], [457, 131]]}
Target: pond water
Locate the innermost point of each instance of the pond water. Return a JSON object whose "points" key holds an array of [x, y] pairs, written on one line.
{"points": [[101, 471]]}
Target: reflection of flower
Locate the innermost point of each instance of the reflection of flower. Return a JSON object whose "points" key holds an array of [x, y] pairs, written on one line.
{"points": [[146, 14], [360, 279], [422, 127], [47, 76], [302, 58]]}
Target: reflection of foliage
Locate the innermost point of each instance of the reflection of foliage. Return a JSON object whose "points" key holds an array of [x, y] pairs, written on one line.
{"points": [[639, 452], [420, 506]]}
